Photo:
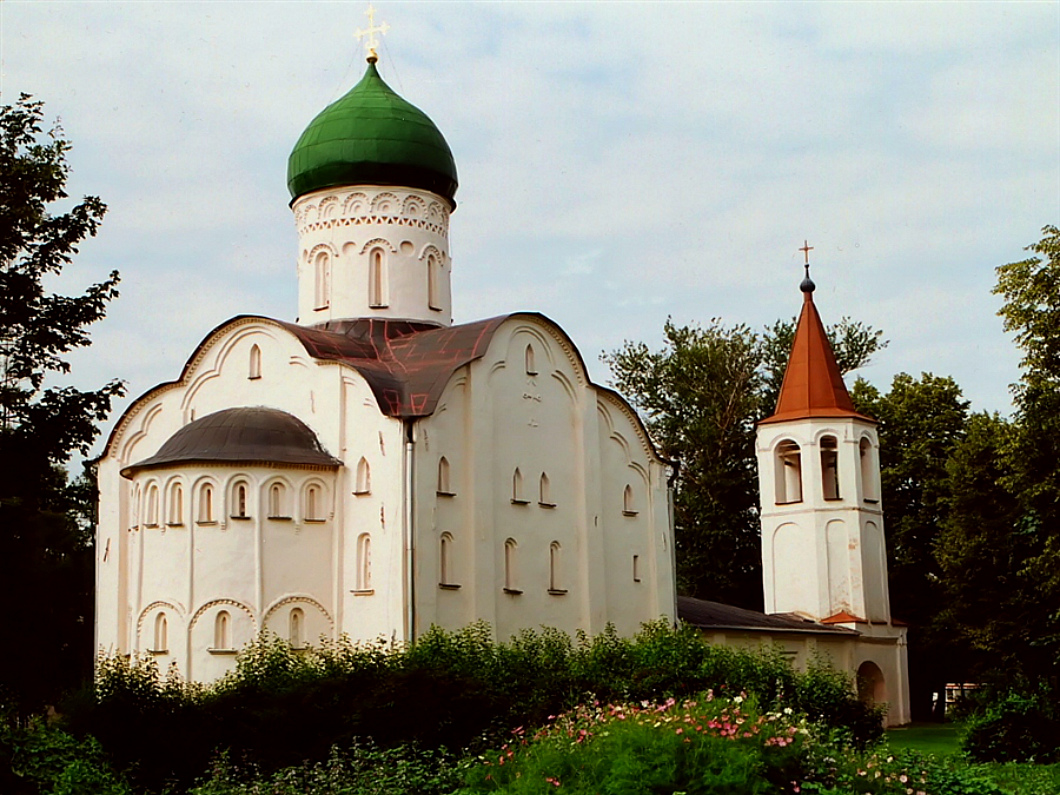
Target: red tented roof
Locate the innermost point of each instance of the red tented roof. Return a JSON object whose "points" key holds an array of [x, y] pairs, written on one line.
{"points": [[813, 385]]}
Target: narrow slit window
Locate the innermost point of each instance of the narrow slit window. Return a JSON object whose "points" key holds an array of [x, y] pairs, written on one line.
{"points": [[788, 475], [629, 505], [322, 280], [313, 506], [517, 487], [636, 568], [531, 360], [434, 300], [161, 633], [277, 501], [255, 363], [206, 503], [444, 486], [545, 491], [239, 502], [445, 559], [509, 566], [151, 514], [364, 562], [364, 477], [222, 631], [377, 278], [554, 580], [296, 628], [830, 467], [176, 505]]}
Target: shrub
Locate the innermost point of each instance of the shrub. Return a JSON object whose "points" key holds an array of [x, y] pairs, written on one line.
{"points": [[280, 707], [50, 761], [362, 769], [1017, 723], [702, 745]]}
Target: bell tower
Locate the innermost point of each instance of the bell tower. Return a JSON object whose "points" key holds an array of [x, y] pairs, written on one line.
{"points": [[823, 545]]}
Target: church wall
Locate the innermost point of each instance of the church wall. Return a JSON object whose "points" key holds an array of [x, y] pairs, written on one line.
{"points": [[346, 233], [524, 554], [252, 562], [372, 571]]}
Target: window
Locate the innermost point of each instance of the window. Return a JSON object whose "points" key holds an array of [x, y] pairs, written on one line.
{"points": [[151, 513], [444, 486], [531, 365], [239, 501], [206, 503], [277, 501], [829, 467], [176, 505], [161, 633], [296, 628], [517, 488], [445, 559], [629, 507], [364, 563], [363, 483], [377, 278], [321, 280], [555, 585], [313, 504], [434, 300], [254, 371], [868, 471], [222, 631], [545, 492], [509, 566], [788, 473], [636, 568]]}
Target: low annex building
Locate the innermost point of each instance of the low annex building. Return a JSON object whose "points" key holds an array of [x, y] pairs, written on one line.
{"points": [[373, 469]]}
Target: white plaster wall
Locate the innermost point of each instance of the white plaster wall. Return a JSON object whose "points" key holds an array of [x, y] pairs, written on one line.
{"points": [[495, 417], [346, 224], [258, 563], [813, 551]]}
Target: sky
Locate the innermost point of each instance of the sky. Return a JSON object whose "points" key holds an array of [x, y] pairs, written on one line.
{"points": [[619, 163]]}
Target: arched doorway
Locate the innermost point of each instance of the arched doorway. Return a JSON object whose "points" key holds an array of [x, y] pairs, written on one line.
{"points": [[872, 689]]}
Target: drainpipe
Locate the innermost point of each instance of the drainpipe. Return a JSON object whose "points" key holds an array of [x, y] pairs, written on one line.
{"points": [[409, 566]]}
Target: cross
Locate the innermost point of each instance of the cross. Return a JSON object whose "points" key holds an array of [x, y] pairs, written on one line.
{"points": [[806, 249], [370, 32]]}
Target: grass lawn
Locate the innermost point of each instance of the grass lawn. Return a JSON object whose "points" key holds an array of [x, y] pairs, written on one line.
{"points": [[929, 738]]}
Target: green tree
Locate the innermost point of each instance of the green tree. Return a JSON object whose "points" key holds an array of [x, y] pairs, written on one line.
{"points": [[1031, 311], [700, 396], [921, 422], [45, 539], [981, 552]]}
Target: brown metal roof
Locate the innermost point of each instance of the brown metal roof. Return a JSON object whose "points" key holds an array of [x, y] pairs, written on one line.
{"points": [[813, 385], [717, 616], [406, 364], [242, 435]]}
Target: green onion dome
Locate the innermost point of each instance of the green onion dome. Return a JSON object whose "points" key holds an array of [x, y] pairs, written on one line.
{"points": [[371, 136]]}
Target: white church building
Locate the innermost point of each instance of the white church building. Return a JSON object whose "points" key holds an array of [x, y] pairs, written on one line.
{"points": [[373, 469]]}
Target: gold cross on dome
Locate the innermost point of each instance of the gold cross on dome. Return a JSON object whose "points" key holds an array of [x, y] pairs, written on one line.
{"points": [[806, 249], [370, 32]]}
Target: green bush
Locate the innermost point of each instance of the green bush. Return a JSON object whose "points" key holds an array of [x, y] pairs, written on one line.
{"points": [[43, 760], [1017, 723], [281, 707], [363, 769], [702, 745]]}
